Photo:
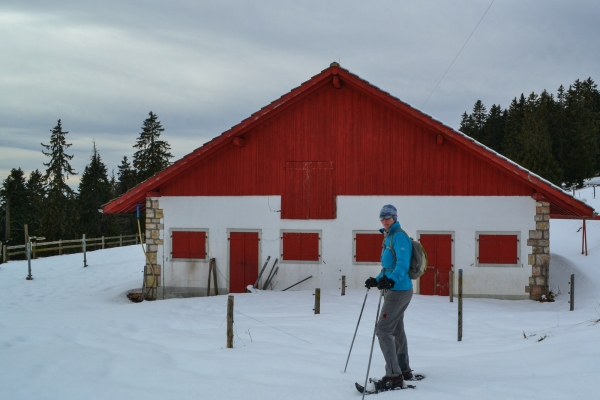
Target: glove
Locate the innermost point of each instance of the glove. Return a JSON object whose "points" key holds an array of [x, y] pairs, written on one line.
{"points": [[385, 283], [371, 282]]}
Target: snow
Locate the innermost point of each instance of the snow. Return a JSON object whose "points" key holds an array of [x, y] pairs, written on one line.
{"points": [[71, 333]]}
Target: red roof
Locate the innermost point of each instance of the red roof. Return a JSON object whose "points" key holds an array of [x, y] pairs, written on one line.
{"points": [[563, 205]]}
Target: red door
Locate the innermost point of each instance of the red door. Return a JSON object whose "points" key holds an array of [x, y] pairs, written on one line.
{"points": [[243, 260], [435, 281]]}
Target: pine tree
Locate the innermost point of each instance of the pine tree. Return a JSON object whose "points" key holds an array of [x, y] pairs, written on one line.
{"points": [[59, 217], [126, 176], [13, 199], [536, 143], [94, 191], [472, 124], [153, 154], [511, 142], [580, 150], [493, 129], [126, 181], [36, 194]]}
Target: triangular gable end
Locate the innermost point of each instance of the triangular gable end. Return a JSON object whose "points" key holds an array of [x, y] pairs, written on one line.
{"points": [[562, 204]]}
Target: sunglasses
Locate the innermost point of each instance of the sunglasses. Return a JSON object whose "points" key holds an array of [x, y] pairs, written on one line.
{"points": [[385, 217]]}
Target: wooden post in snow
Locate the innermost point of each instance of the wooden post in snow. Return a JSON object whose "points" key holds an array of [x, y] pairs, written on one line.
{"points": [[83, 249], [317, 301], [343, 285], [230, 322], [572, 293], [210, 266], [214, 270]]}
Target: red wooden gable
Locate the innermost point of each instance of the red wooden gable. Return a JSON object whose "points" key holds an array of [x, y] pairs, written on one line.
{"points": [[371, 143]]}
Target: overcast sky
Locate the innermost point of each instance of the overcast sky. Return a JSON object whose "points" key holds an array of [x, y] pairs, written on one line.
{"points": [[202, 66]]}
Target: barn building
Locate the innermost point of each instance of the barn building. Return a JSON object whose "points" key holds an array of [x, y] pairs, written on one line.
{"points": [[303, 180]]}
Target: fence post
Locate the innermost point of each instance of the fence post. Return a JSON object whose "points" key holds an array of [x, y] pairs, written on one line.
{"points": [[460, 316], [317, 301], [83, 248], [102, 242], [28, 252], [136, 239], [572, 292], [343, 285], [230, 322], [121, 240], [60, 247], [214, 263], [5, 254]]}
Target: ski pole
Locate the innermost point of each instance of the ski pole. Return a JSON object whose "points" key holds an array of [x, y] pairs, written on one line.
{"points": [[356, 330], [372, 344]]}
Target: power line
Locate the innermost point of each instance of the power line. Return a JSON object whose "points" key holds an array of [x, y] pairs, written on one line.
{"points": [[461, 49]]}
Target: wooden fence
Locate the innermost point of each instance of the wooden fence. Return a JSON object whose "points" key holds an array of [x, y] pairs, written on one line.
{"points": [[61, 245]]}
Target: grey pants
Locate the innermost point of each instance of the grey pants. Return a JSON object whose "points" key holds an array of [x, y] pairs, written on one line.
{"points": [[390, 331]]}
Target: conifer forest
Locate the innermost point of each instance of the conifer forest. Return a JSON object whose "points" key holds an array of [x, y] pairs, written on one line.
{"points": [[49, 207]]}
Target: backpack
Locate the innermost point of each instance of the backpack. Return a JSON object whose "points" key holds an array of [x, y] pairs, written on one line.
{"points": [[418, 258]]}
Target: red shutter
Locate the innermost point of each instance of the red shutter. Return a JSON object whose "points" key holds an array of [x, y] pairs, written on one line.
{"points": [[186, 244], [291, 246], [498, 249], [197, 245], [179, 245], [368, 247], [507, 249], [300, 246], [488, 249], [310, 246]]}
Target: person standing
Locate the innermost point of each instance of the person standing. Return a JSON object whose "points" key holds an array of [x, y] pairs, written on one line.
{"points": [[397, 292]]}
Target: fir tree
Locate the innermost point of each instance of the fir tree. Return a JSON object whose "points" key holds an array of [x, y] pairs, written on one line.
{"points": [[36, 195], [580, 150], [13, 200], [153, 154], [126, 181], [59, 218], [536, 143], [126, 177], [493, 129], [511, 142], [94, 191], [472, 125]]}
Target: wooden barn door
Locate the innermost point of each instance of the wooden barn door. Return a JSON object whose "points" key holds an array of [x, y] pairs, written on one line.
{"points": [[243, 260], [435, 281]]}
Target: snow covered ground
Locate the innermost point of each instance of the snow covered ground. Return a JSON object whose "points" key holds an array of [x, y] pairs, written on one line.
{"points": [[72, 334]]}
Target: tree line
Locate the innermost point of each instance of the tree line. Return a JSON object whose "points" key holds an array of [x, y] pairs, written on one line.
{"points": [[52, 209], [554, 136]]}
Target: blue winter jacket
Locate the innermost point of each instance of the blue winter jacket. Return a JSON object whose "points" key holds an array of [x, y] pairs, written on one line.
{"points": [[397, 272]]}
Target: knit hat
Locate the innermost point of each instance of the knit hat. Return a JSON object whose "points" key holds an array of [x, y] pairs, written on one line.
{"points": [[389, 209]]}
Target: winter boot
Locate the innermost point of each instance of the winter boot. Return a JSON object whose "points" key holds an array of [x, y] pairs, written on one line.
{"points": [[407, 375], [390, 382]]}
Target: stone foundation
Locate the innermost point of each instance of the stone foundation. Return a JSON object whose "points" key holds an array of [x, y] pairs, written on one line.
{"points": [[539, 240], [154, 238]]}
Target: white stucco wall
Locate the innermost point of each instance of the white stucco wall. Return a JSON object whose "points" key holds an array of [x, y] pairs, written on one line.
{"points": [[461, 216]]}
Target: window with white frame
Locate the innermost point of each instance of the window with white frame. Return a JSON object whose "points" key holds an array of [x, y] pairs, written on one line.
{"points": [[367, 247], [189, 244], [498, 249]]}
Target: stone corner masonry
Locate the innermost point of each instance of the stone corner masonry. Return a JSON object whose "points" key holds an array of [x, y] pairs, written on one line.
{"points": [[539, 240], [154, 238]]}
